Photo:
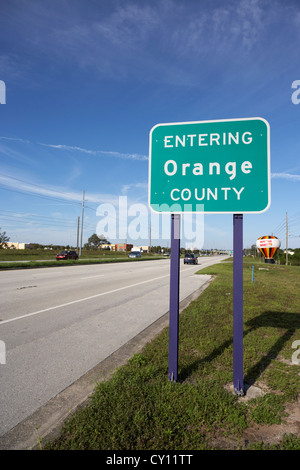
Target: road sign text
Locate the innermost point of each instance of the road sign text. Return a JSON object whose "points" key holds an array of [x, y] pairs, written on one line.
{"points": [[198, 161]]}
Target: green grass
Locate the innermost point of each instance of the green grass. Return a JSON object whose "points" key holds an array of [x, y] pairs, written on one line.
{"points": [[10, 259], [140, 409], [38, 254]]}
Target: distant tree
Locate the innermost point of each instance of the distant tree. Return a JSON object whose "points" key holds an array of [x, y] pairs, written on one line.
{"points": [[3, 239], [95, 241]]}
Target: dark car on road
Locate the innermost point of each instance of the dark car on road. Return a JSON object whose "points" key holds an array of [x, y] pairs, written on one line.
{"points": [[67, 254], [190, 258], [135, 254]]}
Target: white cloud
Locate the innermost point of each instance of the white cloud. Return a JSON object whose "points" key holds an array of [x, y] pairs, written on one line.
{"points": [[15, 139], [129, 156], [15, 154], [53, 192], [172, 41], [19, 156], [127, 187], [286, 176]]}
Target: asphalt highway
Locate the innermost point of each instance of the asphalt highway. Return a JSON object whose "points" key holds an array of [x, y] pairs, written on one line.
{"points": [[58, 323]]}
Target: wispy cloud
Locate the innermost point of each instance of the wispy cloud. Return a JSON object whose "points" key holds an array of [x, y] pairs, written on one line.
{"points": [[129, 156], [18, 155], [167, 41], [53, 192], [15, 139], [128, 187], [15, 154], [286, 176]]}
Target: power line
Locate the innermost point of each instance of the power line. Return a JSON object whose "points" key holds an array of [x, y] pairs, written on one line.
{"points": [[39, 220], [31, 184], [293, 222], [18, 215], [43, 220], [279, 227], [37, 223], [5, 188]]}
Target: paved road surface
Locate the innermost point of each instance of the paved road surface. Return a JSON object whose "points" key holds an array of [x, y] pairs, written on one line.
{"points": [[58, 323]]}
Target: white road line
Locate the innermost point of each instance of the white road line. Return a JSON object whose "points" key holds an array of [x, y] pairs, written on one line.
{"points": [[91, 277], [81, 300]]}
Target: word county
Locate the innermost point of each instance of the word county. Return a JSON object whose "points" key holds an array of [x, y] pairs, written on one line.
{"points": [[187, 169]]}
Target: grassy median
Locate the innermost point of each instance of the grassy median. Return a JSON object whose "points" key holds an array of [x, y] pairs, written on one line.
{"points": [[23, 259], [139, 409]]}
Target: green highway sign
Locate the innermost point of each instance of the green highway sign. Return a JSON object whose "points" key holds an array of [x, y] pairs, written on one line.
{"points": [[218, 166]]}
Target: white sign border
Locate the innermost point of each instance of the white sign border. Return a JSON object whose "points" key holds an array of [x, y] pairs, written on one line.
{"points": [[203, 122]]}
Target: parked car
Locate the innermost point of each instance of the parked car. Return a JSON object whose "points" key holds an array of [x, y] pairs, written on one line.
{"points": [[135, 254], [190, 258], [67, 254]]}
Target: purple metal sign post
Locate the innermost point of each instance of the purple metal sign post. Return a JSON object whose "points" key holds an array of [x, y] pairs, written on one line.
{"points": [[174, 297], [238, 383]]}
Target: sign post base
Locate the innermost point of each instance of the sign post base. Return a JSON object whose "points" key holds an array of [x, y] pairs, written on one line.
{"points": [[174, 297]]}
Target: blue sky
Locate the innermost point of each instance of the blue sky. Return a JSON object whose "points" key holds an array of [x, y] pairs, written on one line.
{"points": [[86, 80]]}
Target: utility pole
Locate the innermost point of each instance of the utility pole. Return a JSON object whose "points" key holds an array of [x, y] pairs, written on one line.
{"points": [[286, 239], [78, 233], [82, 222]]}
